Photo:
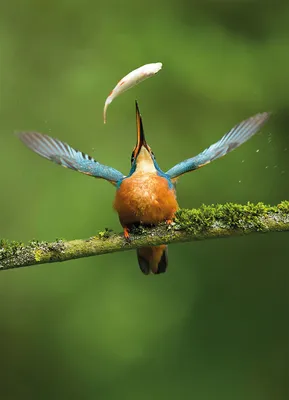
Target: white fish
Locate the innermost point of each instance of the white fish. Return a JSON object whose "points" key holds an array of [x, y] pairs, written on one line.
{"points": [[133, 78]]}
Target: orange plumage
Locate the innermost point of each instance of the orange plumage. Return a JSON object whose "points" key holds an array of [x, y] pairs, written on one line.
{"points": [[145, 198], [148, 197]]}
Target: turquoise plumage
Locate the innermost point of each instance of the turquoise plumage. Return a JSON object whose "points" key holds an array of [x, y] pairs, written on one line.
{"points": [[147, 194]]}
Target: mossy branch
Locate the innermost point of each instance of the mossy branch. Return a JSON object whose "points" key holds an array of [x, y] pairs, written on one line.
{"points": [[207, 222]]}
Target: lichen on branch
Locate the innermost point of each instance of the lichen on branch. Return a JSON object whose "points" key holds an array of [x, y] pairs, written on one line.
{"points": [[206, 222]]}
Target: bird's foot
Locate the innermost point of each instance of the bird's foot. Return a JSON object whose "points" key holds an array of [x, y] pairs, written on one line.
{"points": [[126, 234], [170, 223]]}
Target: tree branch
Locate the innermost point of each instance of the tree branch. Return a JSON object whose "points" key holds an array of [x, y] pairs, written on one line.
{"points": [[207, 222]]}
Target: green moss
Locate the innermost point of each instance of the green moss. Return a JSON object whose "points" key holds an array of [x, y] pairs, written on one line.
{"points": [[60, 240], [105, 234], [9, 249], [283, 206], [206, 221], [35, 249], [229, 215], [38, 255], [44, 251], [139, 230]]}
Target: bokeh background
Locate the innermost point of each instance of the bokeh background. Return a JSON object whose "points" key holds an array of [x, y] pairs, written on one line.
{"points": [[216, 325]]}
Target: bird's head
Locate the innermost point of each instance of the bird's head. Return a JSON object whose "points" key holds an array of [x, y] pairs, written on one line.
{"points": [[142, 158]]}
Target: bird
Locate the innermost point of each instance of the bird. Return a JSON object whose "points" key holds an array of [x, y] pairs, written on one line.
{"points": [[147, 195]]}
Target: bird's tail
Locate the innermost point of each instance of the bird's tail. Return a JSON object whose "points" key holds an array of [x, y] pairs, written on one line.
{"points": [[153, 259]]}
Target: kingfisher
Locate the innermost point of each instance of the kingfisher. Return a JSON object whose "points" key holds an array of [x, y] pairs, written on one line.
{"points": [[147, 195]]}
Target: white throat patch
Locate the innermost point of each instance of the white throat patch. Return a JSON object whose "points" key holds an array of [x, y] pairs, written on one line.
{"points": [[144, 162]]}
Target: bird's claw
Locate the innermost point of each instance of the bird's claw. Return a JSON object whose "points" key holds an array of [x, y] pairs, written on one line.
{"points": [[126, 235]]}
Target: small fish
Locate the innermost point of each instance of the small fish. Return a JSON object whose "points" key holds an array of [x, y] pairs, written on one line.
{"points": [[133, 78]]}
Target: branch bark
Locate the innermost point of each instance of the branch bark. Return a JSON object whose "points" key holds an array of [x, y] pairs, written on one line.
{"points": [[207, 222]]}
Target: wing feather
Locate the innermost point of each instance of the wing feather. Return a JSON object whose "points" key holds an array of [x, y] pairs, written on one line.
{"points": [[61, 153], [230, 141]]}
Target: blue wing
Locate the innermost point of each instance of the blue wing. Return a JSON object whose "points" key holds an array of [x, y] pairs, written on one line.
{"points": [[62, 154], [233, 139]]}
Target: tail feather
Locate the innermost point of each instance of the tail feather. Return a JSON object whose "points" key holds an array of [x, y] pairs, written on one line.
{"points": [[153, 259]]}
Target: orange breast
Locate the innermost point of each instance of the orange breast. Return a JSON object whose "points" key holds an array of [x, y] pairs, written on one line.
{"points": [[145, 197]]}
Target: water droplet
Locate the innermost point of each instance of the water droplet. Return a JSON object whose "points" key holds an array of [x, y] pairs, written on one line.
{"points": [[282, 172], [243, 161], [257, 151], [267, 166], [240, 181]]}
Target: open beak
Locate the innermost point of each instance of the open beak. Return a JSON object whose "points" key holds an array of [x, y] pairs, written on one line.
{"points": [[141, 141]]}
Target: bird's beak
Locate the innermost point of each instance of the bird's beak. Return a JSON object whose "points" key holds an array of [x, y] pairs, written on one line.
{"points": [[141, 141]]}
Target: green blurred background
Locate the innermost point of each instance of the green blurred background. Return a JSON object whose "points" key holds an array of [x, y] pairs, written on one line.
{"points": [[216, 325]]}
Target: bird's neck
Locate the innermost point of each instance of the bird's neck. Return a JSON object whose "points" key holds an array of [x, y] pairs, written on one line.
{"points": [[145, 162]]}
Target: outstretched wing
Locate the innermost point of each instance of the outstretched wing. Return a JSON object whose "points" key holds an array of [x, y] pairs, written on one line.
{"points": [[233, 139], [62, 154]]}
